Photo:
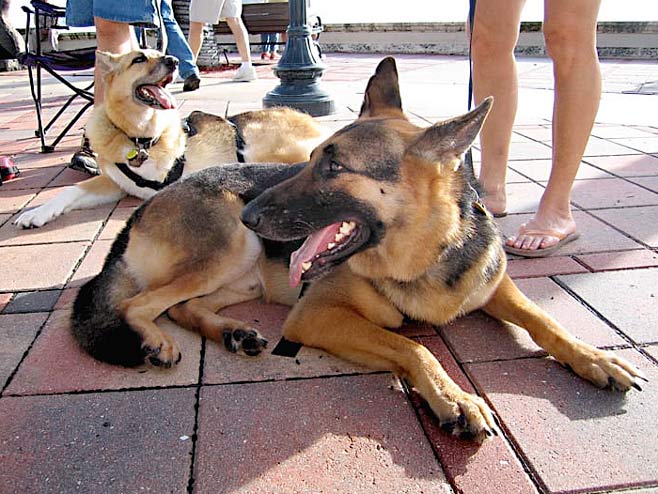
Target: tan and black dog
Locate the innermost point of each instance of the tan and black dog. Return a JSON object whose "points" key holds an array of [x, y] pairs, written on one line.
{"points": [[393, 228], [142, 146]]}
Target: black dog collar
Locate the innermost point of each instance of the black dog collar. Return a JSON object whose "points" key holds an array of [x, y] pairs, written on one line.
{"points": [[240, 143], [174, 174]]}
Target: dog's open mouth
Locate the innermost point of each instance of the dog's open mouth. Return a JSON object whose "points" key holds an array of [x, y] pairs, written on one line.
{"points": [[155, 95], [324, 249]]}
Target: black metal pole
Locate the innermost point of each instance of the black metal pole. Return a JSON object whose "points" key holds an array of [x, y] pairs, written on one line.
{"points": [[300, 69]]}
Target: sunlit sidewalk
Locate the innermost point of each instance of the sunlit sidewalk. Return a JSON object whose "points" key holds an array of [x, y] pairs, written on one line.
{"points": [[311, 423]]}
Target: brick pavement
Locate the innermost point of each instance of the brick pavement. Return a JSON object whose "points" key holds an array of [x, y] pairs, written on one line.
{"points": [[314, 423]]}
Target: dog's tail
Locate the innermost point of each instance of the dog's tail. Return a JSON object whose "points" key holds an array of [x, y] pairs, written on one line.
{"points": [[96, 322]]}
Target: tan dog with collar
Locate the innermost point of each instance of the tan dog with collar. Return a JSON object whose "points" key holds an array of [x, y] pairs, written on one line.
{"points": [[140, 142]]}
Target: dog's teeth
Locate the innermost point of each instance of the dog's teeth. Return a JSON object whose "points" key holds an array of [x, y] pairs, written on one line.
{"points": [[346, 228], [306, 266], [331, 245], [339, 237]]}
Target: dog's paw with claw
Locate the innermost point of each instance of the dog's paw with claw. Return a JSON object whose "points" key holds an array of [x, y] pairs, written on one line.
{"points": [[163, 353], [248, 340], [605, 369], [466, 416], [37, 217]]}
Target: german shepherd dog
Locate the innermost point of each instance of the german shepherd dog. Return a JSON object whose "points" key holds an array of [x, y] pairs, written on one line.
{"points": [[393, 228], [142, 146]]}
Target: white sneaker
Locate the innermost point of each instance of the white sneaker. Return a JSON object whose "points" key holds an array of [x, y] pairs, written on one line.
{"points": [[245, 73]]}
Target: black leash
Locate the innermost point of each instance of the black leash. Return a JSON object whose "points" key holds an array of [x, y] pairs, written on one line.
{"points": [[471, 23]]}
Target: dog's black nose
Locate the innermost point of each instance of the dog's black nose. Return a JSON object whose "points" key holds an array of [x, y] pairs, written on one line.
{"points": [[251, 218], [170, 62]]}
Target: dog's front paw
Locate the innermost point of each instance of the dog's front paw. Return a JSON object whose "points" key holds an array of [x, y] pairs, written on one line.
{"points": [[37, 217], [605, 369], [248, 340], [464, 415], [161, 352]]}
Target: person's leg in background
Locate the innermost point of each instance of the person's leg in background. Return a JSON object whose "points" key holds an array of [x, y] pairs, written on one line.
{"points": [[177, 46], [495, 34], [570, 34]]}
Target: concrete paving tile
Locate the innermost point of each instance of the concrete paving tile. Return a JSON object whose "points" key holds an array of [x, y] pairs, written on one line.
{"points": [[41, 266], [32, 158], [543, 266], [17, 331], [33, 178], [101, 443], [529, 150], [66, 298], [610, 193], [79, 225], [604, 147], [523, 197], [628, 259], [221, 366], [4, 300], [618, 132], [470, 466], [536, 132], [647, 182], [92, 263], [626, 166], [540, 170], [595, 236], [350, 434], [479, 337], [4, 218], [12, 201], [69, 176], [628, 299], [115, 223], [39, 301], [638, 223], [647, 144], [56, 364], [575, 437]]}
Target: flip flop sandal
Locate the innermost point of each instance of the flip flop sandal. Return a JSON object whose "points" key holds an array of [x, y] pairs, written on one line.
{"points": [[562, 240]]}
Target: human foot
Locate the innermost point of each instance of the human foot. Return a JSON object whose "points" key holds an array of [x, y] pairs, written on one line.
{"points": [[538, 239], [496, 203]]}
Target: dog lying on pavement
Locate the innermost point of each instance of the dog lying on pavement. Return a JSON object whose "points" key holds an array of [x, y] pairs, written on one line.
{"points": [[393, 228], [142, 146]]}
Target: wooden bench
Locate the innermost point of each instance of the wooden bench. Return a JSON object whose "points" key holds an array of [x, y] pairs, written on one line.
{"points": [[271, 17]]}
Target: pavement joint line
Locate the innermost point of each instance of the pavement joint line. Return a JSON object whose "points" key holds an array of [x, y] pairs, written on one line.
{"points": [[197, 405], [621, 232], [27, 350], [634, 345], [187, 386], [534, 477]]}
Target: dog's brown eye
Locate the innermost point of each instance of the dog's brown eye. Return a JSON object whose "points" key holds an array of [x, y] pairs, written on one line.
{"points": [[139, 59]]}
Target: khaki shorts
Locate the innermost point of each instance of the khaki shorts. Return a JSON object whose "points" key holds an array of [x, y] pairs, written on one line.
{"points": [[211, 11]]}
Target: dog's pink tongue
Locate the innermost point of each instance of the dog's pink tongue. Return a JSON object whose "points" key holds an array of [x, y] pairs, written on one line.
{"points": [[313, 245], [162, 95]]}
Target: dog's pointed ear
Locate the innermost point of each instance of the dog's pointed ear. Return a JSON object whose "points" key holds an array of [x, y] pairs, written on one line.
{"points": [[446, 141], [106, 61], [383, 91]]}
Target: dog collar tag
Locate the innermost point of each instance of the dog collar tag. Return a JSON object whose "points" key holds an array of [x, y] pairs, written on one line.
{"points": [[137, 156], [481, 208]]}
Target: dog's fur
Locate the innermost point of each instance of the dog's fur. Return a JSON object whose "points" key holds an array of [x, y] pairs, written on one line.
{"points": [[277, 135], [395, 228]]}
